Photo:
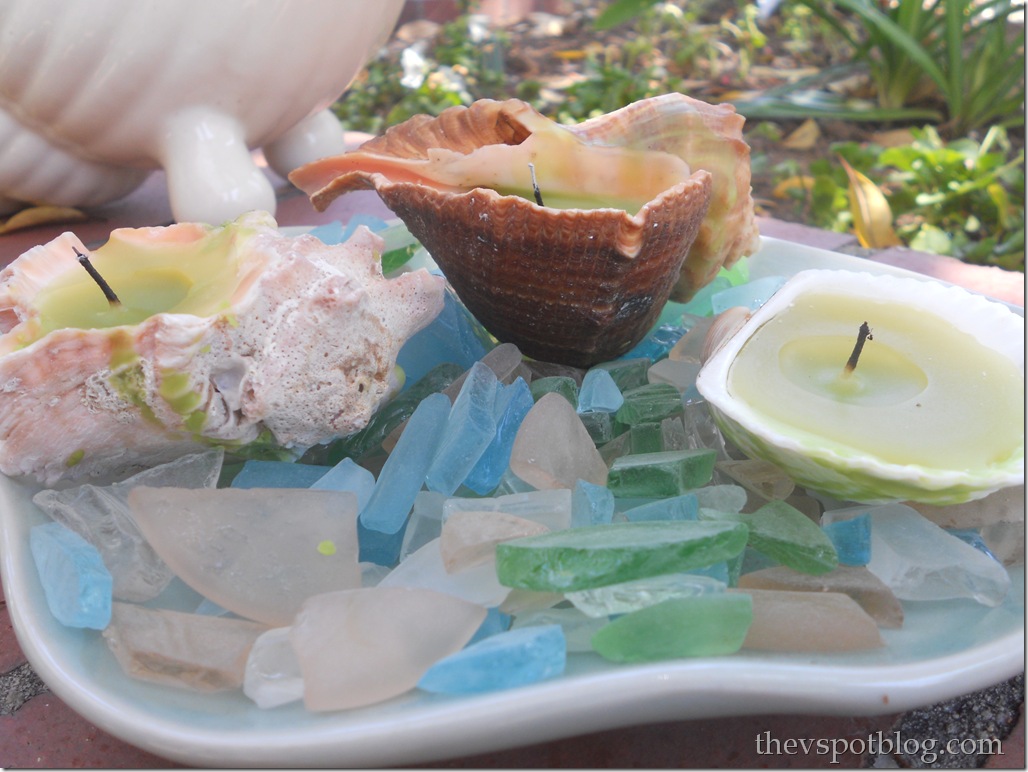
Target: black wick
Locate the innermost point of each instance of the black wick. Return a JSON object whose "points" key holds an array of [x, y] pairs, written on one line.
{"points": [[101, 282], [535, 186], [863, 335]]}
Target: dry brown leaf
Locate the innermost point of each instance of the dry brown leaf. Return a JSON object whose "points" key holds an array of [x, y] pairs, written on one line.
{"points": [[804, 137], [893, 138], [801, 181], [872, 216], [41, 215]]}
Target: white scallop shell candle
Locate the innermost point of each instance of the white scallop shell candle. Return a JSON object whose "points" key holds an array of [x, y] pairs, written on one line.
{"points": [[876, 388], [222, 336]]}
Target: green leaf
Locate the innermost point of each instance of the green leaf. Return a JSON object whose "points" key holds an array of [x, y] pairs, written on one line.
{"points": [[621, 11]]}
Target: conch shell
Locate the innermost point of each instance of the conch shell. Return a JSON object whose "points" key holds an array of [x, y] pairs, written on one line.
{"points": [[284, 339], [582, 278]]}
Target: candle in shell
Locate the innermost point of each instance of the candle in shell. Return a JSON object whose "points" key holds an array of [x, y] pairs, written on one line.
{"points": [[928, 406], [179, 338], [565, 240]]}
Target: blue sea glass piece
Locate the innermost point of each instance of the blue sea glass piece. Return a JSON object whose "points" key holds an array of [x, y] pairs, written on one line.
{"points": [[453, 336], [348, 475], [77, 585], [328, 233], [403, 472], [851, 539], [591, 504], [657, 343], [383, 549], [495, 622], [469, 431], [374, 224], [277, 474], [599, 393], [511, 406], [517, 657]]}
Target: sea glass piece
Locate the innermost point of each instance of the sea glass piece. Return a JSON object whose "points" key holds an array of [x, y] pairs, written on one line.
{"points": [[761, 477], [918, 560], [538, 369], [680, 375], [383, 549], [507, 363], [683, 507], [257, 552], [672, 434], [512, 404], [851, 539], [193, 651], [668, 473], [360, 647], [809, 622], [657, 343], [468, 432], [856, 581], [725, 498], [700, 303], [272, 675], [627, 373], [278, 474], [426, 522], [578, 628], [591, 505], [701, 626], [700, 429], [599, 393], [785, 535], [469, 538], [599, 425], [425, 569], [100, 514], [581, 558], [495, 622], [391, 416], [650, 403], [403, 473], [626, 597], [502, 661], [77, 585], [689, 347], [347, 475], [551, 508], [556, 384], [752, 294], [453, 336], [553, 449], [1006, 505], [646, 438]]}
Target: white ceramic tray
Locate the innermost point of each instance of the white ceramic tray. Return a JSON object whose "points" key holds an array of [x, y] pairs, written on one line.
{"points": [[944, 649]]}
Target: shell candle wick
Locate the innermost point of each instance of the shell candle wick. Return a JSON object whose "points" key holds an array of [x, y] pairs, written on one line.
{"points": [[535, 186], [95, 275], [863, 335]]}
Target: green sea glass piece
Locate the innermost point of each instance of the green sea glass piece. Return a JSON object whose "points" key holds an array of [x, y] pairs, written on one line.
{"points": [[703, 626], [582, 558], [561, 384], [627, 373], [649, 403], [658, 475], [783, 533]]}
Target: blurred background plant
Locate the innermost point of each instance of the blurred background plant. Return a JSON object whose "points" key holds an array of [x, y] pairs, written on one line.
{"points": [[902, 120]]}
